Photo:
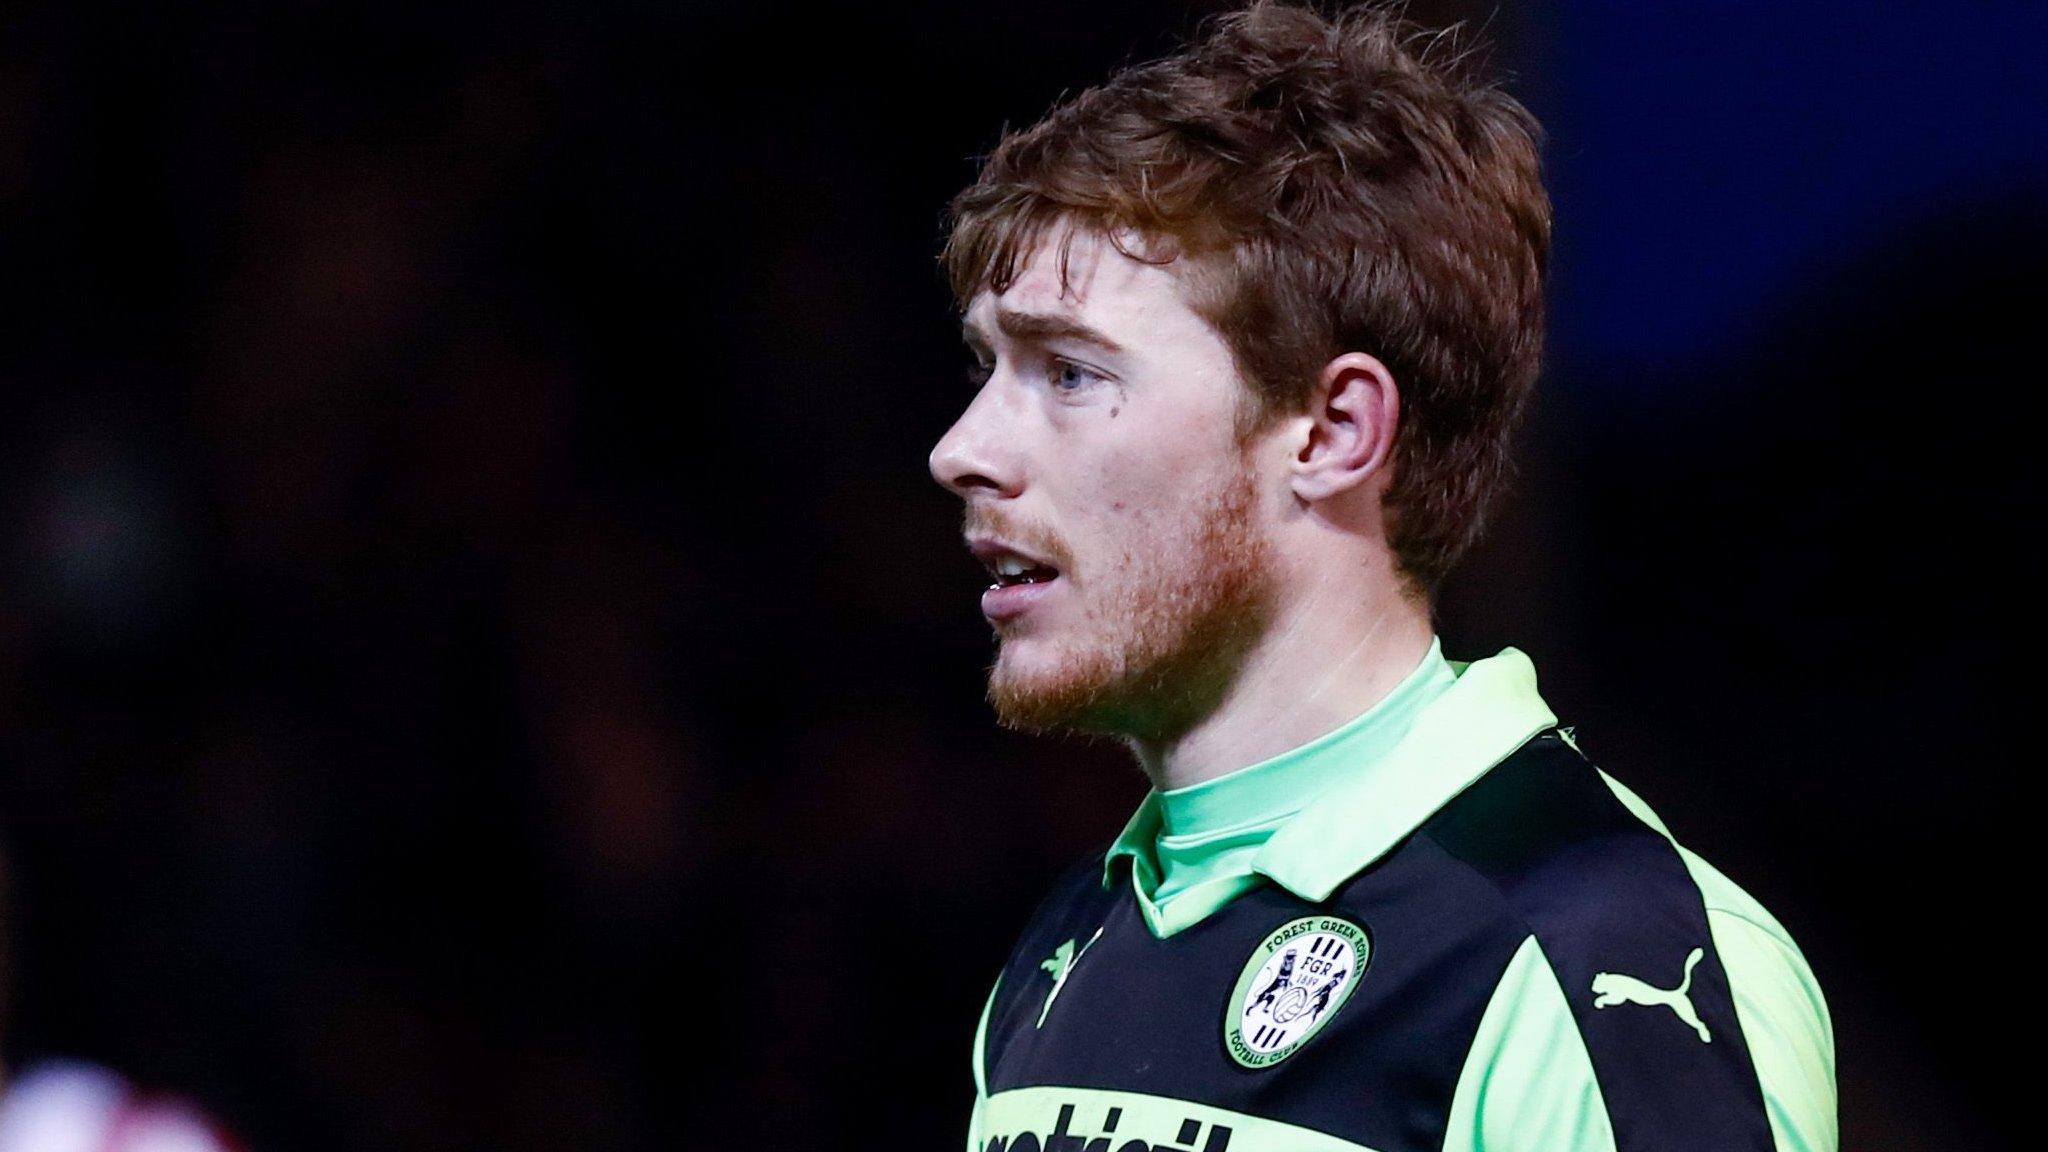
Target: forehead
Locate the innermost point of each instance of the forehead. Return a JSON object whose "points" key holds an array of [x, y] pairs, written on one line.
{"points": [[1132, 301]]}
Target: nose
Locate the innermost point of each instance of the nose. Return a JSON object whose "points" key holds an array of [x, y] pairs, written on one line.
{"points": [[973, 455]]}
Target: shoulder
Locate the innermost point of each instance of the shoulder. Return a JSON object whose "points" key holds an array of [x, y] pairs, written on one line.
{"points": [[1077, 893], [1687, 1000], [1544, 828], [1598, 887], [1784, 1017], [1584, 862], [1073, 906]]}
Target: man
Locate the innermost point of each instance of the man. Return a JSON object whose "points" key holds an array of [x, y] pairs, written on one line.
{"points": [[1252, 327]]}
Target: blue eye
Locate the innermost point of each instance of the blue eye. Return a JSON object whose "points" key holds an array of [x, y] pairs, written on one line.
{"points": [[1068, 376]]}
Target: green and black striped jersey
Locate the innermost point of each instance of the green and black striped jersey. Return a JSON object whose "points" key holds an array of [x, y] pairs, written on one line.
{"points": [[1484, 943]]}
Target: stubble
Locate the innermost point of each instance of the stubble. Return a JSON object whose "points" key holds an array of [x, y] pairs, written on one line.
{"points": [[1169, 628]]}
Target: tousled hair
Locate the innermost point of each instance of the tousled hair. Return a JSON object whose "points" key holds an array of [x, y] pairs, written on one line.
{"points": [[1333, 184]]}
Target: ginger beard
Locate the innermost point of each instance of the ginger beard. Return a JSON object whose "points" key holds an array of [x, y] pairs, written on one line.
{"points": [[1166, 627]]}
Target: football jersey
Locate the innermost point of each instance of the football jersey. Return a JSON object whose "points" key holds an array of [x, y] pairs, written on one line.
{"points": [[1481, 942]]}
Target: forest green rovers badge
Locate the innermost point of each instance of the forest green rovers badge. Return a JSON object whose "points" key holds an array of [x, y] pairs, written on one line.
{"points": [[1297, 978]]}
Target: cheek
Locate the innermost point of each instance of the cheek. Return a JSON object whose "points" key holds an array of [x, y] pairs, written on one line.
{"points": [[1134, 520], [1153, 493], [1130, 499]]}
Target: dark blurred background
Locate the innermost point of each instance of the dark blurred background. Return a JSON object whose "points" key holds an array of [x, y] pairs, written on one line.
{"points": [[482, 664]]}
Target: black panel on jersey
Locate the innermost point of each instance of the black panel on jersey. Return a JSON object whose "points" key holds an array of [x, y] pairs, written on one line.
{"points": [[1605, 893], [1076, 906], [1140, 1014]]}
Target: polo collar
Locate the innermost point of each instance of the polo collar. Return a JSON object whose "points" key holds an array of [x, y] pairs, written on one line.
{"points": [[1492, 710]]}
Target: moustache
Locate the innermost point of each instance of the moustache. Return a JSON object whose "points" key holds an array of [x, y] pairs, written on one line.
{"points": [[1040, 542]]}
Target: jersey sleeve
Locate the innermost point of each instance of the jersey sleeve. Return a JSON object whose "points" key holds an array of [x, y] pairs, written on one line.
{"points": [[1530, 1084], [1591, 1041], [1778, 1002], [1786, 1024]]}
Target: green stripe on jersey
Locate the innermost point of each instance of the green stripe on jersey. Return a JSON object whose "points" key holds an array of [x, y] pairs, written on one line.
{"points": [[1528, 1080], [1029, 1119], [1778, 1003]]}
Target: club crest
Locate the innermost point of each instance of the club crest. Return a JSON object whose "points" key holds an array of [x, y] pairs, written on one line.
{"points": [[1295, 981]]}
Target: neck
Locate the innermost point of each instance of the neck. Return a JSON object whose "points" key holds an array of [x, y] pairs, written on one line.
{"points": [[1328, 657]]}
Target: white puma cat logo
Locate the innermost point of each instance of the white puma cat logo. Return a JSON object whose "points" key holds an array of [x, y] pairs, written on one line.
{"points": [[1611, 988], [1061, 965]]}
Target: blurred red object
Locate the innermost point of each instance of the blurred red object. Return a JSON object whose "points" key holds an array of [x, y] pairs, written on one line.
{"points": [[72, 1106]]}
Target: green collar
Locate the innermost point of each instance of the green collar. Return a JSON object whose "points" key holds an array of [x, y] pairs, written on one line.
{"points": [[1277, 788], [1492, 710]]}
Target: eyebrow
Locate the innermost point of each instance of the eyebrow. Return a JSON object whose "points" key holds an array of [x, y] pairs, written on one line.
{"points": [[1041, 326]]}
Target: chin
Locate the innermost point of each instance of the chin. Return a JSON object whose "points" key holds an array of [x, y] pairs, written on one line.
{"points": [[1027, 669], [1040, 687]]}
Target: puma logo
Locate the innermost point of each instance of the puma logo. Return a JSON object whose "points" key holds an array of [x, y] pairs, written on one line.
{"points": [[1061, 964], [1611, 988]]}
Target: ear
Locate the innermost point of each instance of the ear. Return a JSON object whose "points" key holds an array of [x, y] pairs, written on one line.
{"points": [[1347, 437]]}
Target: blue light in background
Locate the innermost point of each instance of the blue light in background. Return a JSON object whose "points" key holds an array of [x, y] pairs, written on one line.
{"points": [[1708, 161]]}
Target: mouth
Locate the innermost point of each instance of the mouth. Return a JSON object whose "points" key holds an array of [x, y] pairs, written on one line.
{"points": [[1020, 580], [1011, 570]]}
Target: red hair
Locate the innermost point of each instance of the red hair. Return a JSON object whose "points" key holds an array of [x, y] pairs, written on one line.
{"points": [[1334, 184]]}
